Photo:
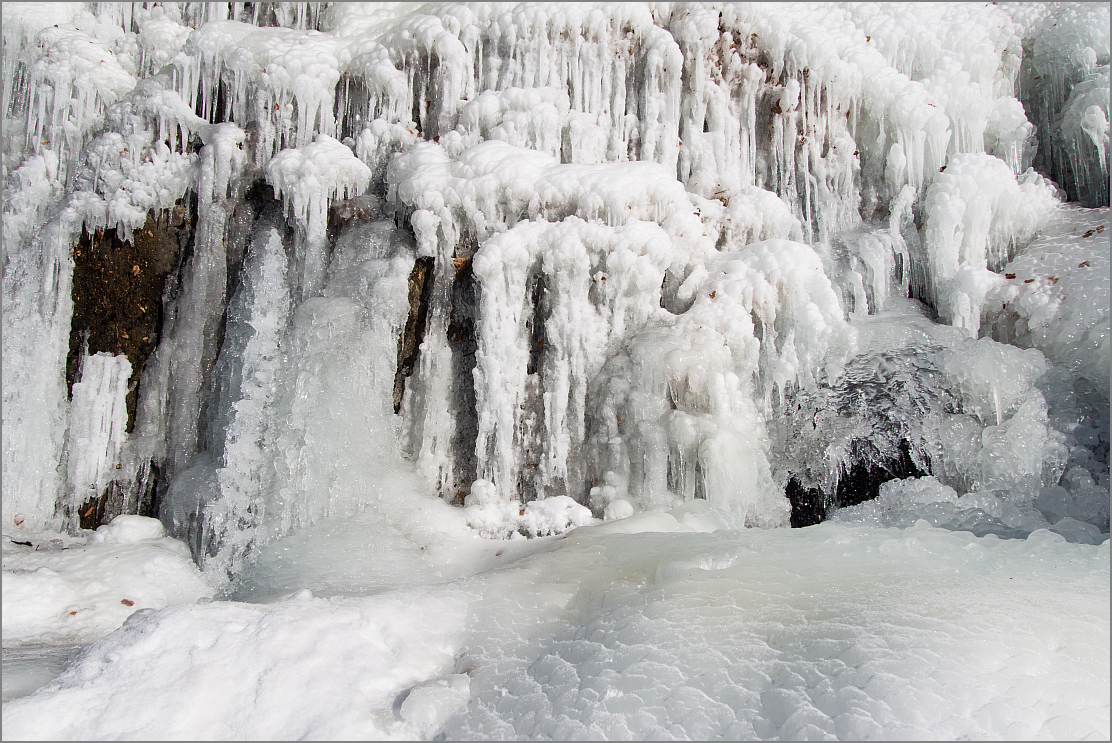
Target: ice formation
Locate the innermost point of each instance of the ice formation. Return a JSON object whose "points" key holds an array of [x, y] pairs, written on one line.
{"points": [[596, 196], [635, 629], [469, 270], [62, 596]]}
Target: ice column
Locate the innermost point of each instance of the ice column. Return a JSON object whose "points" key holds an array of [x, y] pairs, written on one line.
{"points": [[336, 450], [178, 374], [98, 426], [38, 307], [555, 300], [249, 371]]}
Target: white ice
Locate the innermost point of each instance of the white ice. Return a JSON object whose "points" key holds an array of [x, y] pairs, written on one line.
{"points": [[639, 628], [670, 254]]}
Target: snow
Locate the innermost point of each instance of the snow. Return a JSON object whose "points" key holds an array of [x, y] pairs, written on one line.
{"points": [[56, 596], [842, 630], [498, 339]]}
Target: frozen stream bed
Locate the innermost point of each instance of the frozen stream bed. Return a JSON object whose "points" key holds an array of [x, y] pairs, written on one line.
{"points": [[647, 627]]}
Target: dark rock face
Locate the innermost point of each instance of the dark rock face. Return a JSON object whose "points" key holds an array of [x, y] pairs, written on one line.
{"points": [[836, 445], [861, 483], [118, 292], [118, 296], [420, 288]]}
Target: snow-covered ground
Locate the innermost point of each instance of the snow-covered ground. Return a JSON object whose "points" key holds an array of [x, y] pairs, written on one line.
{"points": [[647, 627]]}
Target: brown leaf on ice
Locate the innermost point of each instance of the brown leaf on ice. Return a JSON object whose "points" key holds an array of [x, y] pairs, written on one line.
{"points": [[127, 602]]}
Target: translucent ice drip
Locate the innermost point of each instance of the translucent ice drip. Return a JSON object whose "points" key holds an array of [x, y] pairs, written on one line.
{"points": [[308, 179], [1084, 138], [681, 413], [337, 451], [258, 321], [98, 426]]}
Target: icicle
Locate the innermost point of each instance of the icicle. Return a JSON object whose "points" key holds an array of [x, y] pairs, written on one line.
{"points": [[97, 427], [307, 179]]}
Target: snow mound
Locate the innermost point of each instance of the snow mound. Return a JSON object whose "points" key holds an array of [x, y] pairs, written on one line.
{"points": [[75, 595]]}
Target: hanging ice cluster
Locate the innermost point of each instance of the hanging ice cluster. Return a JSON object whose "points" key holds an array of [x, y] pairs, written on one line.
{"points": [[1063, 84], [625, 240]]}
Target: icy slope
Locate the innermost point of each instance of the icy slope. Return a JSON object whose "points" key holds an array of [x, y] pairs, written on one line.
{"points": [[642, 628]]}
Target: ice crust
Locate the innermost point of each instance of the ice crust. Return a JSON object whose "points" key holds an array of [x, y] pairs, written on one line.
{"points": [[840, 630]]}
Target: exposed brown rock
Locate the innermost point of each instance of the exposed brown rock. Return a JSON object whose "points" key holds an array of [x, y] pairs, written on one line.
{"points": [[118, 290]]}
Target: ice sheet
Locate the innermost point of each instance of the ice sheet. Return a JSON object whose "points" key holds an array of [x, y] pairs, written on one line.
{"points": [[837, 630]]}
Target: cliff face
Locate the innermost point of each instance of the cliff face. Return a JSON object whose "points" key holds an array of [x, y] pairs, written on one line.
{"points": [[623, 254]]}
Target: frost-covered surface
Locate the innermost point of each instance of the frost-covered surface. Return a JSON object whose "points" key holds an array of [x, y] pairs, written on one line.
{"points": [[1062, 87], [59, 595], [641, 628], [456, 280]]}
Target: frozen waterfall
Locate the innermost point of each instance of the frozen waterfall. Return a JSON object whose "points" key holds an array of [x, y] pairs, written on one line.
{"points": [[284, 273]]}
